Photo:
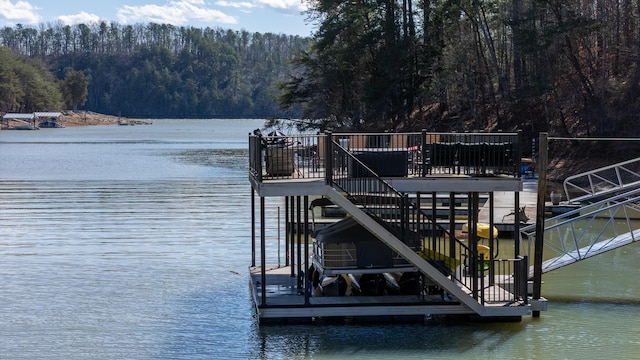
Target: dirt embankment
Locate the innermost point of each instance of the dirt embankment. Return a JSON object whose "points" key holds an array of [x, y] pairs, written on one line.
{"points": [[72, 118], [84, 118]]}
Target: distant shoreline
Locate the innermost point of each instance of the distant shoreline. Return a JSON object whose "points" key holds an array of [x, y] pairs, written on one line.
{"points": [[72, 118], [87, 118]]}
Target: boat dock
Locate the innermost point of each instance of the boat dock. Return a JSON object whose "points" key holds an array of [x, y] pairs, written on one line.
{"points": [[397, 204], [31, 121], [394, 253]]}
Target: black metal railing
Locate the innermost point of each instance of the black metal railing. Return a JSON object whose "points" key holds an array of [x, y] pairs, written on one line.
{"points": [[392, 209], [365, 188], [475, 154], [495, 280], [449, 254], [275, 157], [389, 154]]}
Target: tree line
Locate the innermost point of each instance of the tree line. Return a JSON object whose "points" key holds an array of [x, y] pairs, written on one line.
{"points": [[159, 70], [569, 68], [566, 67]]}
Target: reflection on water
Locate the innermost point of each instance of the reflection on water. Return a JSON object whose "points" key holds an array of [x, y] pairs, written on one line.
{"points": [[134, 242], [226, 158]]}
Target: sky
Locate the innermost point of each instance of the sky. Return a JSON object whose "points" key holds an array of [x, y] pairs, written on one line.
{"points": [[275, 16]]}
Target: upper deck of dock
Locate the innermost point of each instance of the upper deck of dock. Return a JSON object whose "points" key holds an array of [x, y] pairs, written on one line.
{"points": [[409, 162]]}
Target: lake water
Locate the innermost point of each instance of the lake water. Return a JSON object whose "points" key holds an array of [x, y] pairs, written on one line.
{"points": [[133, 242]]}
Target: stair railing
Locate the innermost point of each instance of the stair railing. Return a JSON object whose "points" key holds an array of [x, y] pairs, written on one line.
{"points": [[395, 212]]}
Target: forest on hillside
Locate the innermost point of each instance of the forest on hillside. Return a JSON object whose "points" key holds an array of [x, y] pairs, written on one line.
{"points": [[570, 68], [152, 70]]}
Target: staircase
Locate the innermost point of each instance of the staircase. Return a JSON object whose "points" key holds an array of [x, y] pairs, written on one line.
{"points": [[390, 215]]}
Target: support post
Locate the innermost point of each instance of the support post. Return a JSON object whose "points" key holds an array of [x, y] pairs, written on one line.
{"points": [[287, 233], [434, 218], [328, 158], [263, 256], [492, 242], [452, 225], [253, 227], [539, 241], [299, 241], [473, 246], [516, 226], [418, 217], [307, 275], [292, 237]]}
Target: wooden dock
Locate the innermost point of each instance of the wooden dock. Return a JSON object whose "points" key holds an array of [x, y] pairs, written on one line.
{"points": [[504, 207]]}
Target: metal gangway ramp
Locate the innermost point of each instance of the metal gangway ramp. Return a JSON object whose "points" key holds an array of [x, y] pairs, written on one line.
{"points": [[603, 182], [591, 230]]}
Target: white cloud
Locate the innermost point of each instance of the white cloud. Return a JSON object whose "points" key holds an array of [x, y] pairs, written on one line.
{"points": [[20, 12], [236, 4], [80, 18], [288, 5], [174, 12]]}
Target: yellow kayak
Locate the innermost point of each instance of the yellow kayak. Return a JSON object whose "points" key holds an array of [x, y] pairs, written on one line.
{"points": [[482, 230]]}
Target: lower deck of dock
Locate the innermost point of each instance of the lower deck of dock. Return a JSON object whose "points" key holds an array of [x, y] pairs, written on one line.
{"points": [[283, 300]]}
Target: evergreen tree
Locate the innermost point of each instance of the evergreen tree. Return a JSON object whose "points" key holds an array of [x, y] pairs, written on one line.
{"points": [[74, 89]]}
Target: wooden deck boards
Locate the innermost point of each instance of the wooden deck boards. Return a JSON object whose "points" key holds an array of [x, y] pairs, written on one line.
{"points": [[504, 206]]}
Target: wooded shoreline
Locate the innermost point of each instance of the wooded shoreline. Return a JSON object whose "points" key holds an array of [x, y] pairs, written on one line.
{"points": [[87, 118], [71, 118]]}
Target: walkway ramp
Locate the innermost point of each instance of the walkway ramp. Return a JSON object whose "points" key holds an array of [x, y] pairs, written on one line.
{"points": [[601, 183], [589, 231], [589, 251]]}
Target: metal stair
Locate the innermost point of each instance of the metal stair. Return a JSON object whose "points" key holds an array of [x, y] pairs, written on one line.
{"points": [[367, 196]]}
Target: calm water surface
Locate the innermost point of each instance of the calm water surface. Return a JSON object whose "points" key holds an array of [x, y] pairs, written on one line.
{"points": [[133, 242]]}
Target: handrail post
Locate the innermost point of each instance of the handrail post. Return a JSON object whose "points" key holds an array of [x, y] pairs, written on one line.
{"points": [[253, 227], [307, 277], [257, 156], [328, 158], [542, 188], [405, 217], [423, 151], [518, 159]]}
